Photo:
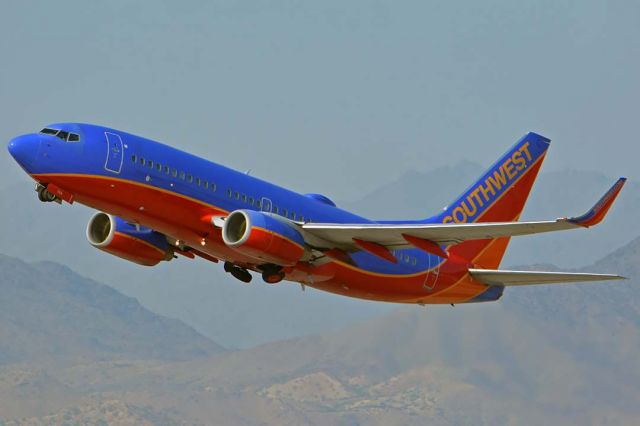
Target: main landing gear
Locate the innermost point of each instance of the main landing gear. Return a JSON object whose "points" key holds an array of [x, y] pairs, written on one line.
{"points": [[44, 195], [272, 274], [238, 272]]}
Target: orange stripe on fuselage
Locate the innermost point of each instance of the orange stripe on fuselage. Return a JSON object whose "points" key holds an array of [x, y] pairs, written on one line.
{"points": [[459, 286], [180, 216], [169, 213]]}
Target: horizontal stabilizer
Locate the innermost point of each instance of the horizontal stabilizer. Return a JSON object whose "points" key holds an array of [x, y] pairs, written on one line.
{"points": [[511, 278]]}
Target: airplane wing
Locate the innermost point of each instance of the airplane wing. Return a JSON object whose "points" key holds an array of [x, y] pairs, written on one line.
{"points": [[511, 278], [378, 238]]}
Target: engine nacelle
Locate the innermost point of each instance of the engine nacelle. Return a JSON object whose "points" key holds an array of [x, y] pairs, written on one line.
{"points": [[264, 237], [134, 243]]}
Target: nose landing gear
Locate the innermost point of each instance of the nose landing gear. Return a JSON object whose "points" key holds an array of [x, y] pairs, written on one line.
{"points": [[44, 195]]}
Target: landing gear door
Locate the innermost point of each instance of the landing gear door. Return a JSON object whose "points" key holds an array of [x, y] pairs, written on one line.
{"points": [[114, 153]]}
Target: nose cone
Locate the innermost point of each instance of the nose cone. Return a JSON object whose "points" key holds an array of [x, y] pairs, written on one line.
{"points": [[24, 150]]}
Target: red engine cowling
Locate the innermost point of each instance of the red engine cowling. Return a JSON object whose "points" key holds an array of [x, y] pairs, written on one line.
{"points": [[136, 244], [266, 238]]}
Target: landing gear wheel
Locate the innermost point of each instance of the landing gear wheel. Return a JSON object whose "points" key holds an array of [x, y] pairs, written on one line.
{"points": [[45, 196], [237, 272], [271, 277], [241, 274]]}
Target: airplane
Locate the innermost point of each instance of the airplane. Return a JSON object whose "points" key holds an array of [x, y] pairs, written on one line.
{"points": [[156, 203]]}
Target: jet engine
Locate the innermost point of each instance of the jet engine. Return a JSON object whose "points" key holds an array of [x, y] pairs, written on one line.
{"points": [[132, 242], [267, 238]]}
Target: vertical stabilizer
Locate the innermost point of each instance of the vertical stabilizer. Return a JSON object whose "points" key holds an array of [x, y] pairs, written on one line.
{"points": [[498, 196]]}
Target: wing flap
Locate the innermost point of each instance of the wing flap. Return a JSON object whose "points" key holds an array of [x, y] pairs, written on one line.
{"points": [[394, 236], [514, 278]]}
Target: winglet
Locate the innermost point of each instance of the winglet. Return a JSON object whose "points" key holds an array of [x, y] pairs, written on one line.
{"points": [[600, 209]]}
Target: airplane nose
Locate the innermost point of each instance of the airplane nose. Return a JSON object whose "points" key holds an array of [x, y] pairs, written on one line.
{"points": [[24, 149]]}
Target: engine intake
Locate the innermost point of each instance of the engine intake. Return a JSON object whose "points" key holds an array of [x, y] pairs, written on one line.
{"points": [[134, 243], [267, 238]]}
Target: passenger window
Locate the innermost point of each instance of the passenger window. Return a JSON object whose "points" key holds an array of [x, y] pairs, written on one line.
{"points": [[229, 192], [206, 184], [190, 179], [174, 172], [275, 209], [414, 261], [213, 186], [198, 182], [251, 201], [284, 212], [182, 175], [301, 218], [159, 167], [258, 203], [134, 158], [166, 170], [142, 161], [293, 215], [237, 195], [150, 164], [73, 137], [244, 198]]}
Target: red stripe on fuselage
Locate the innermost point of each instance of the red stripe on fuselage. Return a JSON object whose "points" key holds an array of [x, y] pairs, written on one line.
{"points": [[172, 214], [181, 217]]}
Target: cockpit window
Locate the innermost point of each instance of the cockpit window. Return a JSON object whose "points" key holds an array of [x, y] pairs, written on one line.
{"points": [[65, 136]]}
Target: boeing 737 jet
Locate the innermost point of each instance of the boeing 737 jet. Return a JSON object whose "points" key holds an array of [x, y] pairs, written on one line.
{"points": [[156, 202]]}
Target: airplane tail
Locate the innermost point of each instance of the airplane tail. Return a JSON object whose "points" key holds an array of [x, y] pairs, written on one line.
{"points": [[498, 196]]}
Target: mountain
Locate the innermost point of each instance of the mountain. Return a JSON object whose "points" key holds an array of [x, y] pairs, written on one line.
{"points": [[556, 354], [49, 313], [416, 195]]}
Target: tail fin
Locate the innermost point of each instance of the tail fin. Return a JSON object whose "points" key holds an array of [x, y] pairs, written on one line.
{"points": [[498, 196]]}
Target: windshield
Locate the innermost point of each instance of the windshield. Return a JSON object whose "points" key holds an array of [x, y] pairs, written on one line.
{"points": [[62, 134]]}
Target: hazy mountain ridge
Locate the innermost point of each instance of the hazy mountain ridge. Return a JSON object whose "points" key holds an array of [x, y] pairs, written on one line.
{"points": [[48, 312], [563, 354]]}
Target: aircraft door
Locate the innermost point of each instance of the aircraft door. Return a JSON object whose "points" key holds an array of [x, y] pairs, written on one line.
{"points": [[114, 153], [431, 279], [265, 205]]}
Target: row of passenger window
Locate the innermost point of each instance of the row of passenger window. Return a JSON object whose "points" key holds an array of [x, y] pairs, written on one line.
{"points": [[399, 254], [251, 201], [172, 171], [255, 202]]}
